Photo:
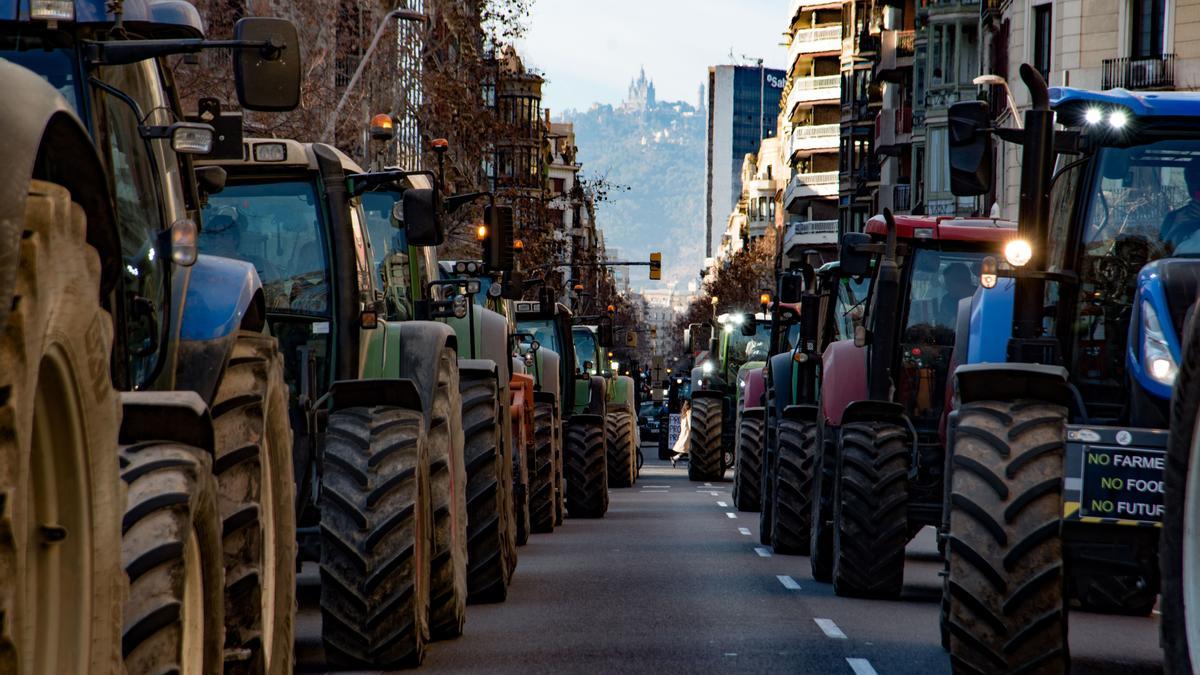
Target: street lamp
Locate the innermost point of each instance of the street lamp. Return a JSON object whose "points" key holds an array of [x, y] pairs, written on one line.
{"points": [[997, 81]]}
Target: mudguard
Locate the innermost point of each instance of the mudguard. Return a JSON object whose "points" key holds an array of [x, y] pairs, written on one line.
{"points": [[782, 376], [843, 380], [408, 350], [398, 392], [1011, 382], [754, 394], [214, 299], [483, 334], [591, 396], [870, 411], [545, 397], [621, 395], [179, 416], [800, 413], [707, 393], [548, 364], [39, 123]]}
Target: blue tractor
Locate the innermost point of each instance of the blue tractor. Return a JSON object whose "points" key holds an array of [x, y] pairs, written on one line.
{"points": [[1067, 356], [146, 490]]}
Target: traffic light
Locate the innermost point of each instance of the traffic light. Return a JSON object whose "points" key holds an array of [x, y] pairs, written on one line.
{"points": [[655, 266], [497, 238]]}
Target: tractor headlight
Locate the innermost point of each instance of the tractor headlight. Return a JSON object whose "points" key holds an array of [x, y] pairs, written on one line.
{"points": [[1018, 252], [1156, 354], [707, 367], [460, 306]]}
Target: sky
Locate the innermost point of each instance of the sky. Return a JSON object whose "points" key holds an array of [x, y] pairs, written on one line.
{"points": [[589, 50]]}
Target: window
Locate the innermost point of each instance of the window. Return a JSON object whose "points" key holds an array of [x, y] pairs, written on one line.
{"points": [[557, 185], [939, 161], [1147, 28], [1042, 34], [139, 217]]}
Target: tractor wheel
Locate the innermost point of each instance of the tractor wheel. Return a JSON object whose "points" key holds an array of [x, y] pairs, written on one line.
{"points": [[1180, 539], [820, 537], [447, 484], [253, 467], [521, 495], [376, 538], [748, 469], [704, 441], [793, 487], [560, 482], [541, 479], [870, 510], [618, 433], [175, 614], [587, 475], [487, 515], [510, 451], [1007, 611], [58, 452]]}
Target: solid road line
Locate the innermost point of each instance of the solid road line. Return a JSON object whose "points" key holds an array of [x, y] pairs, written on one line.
{"points": [[861, 666], [830, 629], [788, 582]]}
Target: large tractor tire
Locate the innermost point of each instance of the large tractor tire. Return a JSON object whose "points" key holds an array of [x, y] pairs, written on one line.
{"points": [[541, 478], [748, 469], [705, 461], [619, 430], [1180, 538], [587, 476], [376, 538], [820, 535], [447, 483], [58, 453], [175, 614], [560, 481], [1007, 611], [487, 515], [871, 510], [521, 492], [510, 452], [253, 467], [793, 487]]}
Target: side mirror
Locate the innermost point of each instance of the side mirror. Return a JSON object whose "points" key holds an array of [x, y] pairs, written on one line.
{"points": [[606, 334], [420, 216], [791, 288], [970, 148], [810, 307], [749, 329], [853, 261], [267, 78]]}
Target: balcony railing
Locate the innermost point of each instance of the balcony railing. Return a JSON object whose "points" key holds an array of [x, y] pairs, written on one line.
{"points": [[815, 137], [902, 197], [904, 43], [806, 89], [815, 227], [1148, 72], [809, 185], [821, 38], [904, 121]]}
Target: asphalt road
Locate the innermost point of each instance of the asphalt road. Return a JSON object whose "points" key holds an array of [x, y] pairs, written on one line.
{"points": [[673, 580]]}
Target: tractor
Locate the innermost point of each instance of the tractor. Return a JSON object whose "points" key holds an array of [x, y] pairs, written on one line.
{"points": [[751, 447], [883, 393], [548, 325], [375, 404], [146, 485], [587, 433], [620, 405], [1068, 354], [716, 383]]}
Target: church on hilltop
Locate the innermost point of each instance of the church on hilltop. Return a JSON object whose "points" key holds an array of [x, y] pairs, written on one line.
{"points": [[641, 95]]}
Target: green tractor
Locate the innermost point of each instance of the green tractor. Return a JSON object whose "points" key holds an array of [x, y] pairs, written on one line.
{"points": [[375, 404], [147, 515]]}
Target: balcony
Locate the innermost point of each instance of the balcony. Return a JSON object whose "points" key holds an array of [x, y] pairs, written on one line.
{"points": [[811, 186], [1148, 72], [904, 42], [815, 137], [810, 233], [815, 40], [810, 89], [904, 120]]}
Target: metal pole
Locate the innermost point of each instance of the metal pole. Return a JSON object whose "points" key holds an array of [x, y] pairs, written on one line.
{"points": [[405, 14], [762, 86]]}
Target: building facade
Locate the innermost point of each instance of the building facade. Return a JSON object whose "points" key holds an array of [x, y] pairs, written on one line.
{"points": [[742, 105]]}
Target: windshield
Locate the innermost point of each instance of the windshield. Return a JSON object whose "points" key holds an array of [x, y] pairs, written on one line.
{"points": [[851, 302], [385, 237], [56, 66], [275, 226], [543, 331], [745, 348], [585, 351], [939, 280]]}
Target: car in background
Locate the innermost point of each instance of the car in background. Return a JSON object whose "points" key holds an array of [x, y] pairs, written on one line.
{"points": [[649, 423]]}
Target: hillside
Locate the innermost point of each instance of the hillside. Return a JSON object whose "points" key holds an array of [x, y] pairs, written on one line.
{"points": [[658, 153]]}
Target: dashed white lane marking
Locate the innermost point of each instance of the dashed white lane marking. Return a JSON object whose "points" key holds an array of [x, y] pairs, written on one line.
{"points": [[731, 514], [762, 551], [744, 530], [656, 486], [788, 582], [722, 504], [861, 666], [708, 485], [830, 629]]}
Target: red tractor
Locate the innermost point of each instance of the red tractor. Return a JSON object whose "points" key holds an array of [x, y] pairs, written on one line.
{"points": [[883, 395]]}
